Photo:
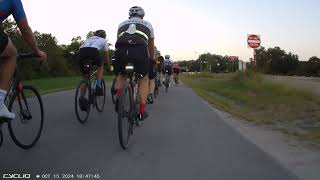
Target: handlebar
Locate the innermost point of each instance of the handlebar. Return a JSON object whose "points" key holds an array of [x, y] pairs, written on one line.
{"points": [[27, 55]]}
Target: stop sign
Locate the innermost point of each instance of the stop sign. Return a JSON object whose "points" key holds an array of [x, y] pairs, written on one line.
{"points": [[254, 41], [233, 58]]}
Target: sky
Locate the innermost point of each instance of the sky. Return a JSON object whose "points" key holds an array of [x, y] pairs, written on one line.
{"points": [[187, 28]]}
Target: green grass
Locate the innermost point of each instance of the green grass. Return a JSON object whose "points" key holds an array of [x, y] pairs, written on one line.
{"points": [[260, 101], [50, 85]]}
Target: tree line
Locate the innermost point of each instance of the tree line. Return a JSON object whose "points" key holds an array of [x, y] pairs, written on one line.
{"points": [[277, 61], [273, 61], [62, 59]]}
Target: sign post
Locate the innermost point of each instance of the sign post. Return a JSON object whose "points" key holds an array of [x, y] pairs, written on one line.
{"points": [[254, 42]]}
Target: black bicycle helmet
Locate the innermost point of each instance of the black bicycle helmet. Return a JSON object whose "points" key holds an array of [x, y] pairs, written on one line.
{"points": [[100, 33]]}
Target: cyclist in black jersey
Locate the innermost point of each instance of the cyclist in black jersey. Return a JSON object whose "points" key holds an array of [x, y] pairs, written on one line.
{"points": [[135, 43]]}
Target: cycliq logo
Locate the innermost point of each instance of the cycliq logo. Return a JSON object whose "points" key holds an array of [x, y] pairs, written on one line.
{"points": [[16, 176]]}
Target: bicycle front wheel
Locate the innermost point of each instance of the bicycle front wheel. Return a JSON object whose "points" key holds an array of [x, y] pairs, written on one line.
{"points": [[125, 116], [25, 130], [81, 102], [101, 100], [1, 137]]}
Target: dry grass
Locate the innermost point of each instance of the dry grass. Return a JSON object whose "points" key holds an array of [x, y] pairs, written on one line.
{"points": [[294, 111]]}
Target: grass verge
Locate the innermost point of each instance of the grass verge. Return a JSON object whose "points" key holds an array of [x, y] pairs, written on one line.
{"points": [[51, 85], [295, 112]]}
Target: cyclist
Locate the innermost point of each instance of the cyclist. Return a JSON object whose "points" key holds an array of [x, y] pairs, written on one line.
{"points": [[176, 71], [168, 63], [152, 76], [89, 54], [8, 52], [160, 67], [135, 42]]}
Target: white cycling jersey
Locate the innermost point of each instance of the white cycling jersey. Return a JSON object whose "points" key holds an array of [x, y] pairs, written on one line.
{"points": [[96, 42], [168, 62], [135, 31], [137, 20]]}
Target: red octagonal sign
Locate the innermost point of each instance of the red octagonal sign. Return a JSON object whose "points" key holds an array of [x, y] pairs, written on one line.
{"points": [[254, 41]]}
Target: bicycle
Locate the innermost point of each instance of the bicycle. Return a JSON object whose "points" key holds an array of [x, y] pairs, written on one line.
{"points": [[20, 100], [157, 84], [113, 90], [128, 107], [166, 79], [90, 96]]}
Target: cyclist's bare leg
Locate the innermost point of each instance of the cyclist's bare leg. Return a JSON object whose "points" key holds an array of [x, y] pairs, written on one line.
{"points": [[171, 77], [143, 89], [161, 78], [151, 86], [83, 88], [8, 60], [100, 72], [8, 64], [121, 79]]}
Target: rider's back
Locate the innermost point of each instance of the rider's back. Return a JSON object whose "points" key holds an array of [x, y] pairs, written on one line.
{"points": [[135, 31], [168, 62], [95, 42]]}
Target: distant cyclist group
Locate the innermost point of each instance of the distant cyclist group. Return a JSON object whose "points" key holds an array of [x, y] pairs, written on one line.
{"points": [[136, 61]]}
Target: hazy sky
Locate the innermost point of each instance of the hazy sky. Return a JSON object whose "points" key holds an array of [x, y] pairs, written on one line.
{"points": [[186, 28]]}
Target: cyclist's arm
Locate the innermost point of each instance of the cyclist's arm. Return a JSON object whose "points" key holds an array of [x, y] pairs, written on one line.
{"points": [[151, 48], [28, 35], [106, 57], [22, 22]]}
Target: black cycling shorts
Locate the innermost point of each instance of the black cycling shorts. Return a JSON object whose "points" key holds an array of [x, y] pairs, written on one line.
{"points": [[152, 70], [89, 56], [4, 40], [160, 67], [136, 54], [167, 68]]}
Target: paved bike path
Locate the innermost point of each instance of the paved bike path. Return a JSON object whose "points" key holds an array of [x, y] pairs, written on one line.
{"points": [[182, 139]]}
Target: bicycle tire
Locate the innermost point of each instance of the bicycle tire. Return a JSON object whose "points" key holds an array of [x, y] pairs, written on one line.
{"points": [[113, 91], [124, 141], [1, 137], [100, 109], [24, 101], [167, 82], [76, 103]]}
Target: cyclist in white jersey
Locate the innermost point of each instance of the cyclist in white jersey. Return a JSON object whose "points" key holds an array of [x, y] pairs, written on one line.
{"points": [[89, 55]]}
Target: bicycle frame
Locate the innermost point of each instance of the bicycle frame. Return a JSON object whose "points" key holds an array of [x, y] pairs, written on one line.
{"points": [[16, 85], [90, 76], [13, 86]]}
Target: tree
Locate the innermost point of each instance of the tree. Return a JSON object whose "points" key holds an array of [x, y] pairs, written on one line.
{"points": [[313, 66]]}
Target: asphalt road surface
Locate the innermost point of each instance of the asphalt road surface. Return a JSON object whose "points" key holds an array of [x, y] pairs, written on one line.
{"points": [[182, 139]]}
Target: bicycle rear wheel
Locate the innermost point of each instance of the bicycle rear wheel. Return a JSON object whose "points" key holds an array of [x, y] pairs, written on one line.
{"points": [[113, 91], [1, 137], [167, 82], [101, 100], [82, 114], [25, 130], [125, 116]]}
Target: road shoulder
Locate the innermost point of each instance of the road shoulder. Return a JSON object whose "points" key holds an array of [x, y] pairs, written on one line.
{"points": [[297, 157]]}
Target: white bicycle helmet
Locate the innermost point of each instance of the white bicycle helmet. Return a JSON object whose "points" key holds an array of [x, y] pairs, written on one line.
{"points": [[167, 56], [136, 10]]}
